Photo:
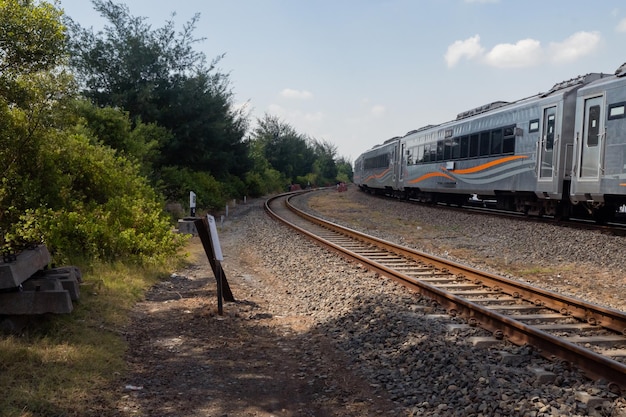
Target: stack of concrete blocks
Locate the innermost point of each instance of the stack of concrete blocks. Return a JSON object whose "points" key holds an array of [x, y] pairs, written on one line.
{"points": [[29, 287]]}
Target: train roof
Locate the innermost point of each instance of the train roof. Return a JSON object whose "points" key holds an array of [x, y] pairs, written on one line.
{"points": [[481, 109], [410, 132], [574, 82]]}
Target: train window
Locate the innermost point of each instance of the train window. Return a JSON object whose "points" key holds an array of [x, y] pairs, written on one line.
{"points": [[380, 161], [533, 126], [456, 148], [439, 150], [485, 145], [473, 145], [464, 147], [496, 142], [593, 126], [426, 157], [617, 111], [420, 154], [447, 150], [508, 143], [550, 131]]}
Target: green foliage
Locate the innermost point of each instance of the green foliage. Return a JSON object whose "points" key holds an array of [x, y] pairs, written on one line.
{"points": [[112, 127], [266, 182], [344, 170], [157, 77], [282, 147], [178, 182], [96, 207], [32, 38], [306, 161]]}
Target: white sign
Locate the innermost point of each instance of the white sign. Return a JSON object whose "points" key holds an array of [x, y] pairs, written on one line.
{"points": [[217, 250], [192, 199]]}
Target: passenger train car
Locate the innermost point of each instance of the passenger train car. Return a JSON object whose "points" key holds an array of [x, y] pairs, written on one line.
{"points": [[559, 153]]}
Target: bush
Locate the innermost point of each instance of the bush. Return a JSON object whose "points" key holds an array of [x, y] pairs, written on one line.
{"points": [[210, 194], [95, 206]]}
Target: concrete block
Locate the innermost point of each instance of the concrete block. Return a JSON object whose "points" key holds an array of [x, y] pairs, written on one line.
{"points": [[28, 262], [36, 302]]}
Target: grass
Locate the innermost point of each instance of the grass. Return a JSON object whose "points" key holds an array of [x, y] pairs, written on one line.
{"points": [[72, 365]]}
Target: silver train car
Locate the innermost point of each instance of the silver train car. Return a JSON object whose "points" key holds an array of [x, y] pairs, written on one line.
{"points": [[559, 153]]}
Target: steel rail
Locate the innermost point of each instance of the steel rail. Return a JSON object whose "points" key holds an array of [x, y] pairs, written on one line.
{"points": [[594, 365]]}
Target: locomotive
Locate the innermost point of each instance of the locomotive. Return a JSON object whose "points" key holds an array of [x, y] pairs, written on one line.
{"points": [[560, 153]]}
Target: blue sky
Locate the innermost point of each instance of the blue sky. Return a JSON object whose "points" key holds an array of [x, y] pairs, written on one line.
{"points": [[357, 72]]}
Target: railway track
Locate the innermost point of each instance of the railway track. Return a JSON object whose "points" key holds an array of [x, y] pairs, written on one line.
{"points": [[584, 335]]}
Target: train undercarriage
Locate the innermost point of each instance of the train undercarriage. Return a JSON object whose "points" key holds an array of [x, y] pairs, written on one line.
{"points": [[527, 203]]}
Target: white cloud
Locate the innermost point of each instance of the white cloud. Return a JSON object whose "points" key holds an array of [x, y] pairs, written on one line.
{"points": [[469, 48], [296, 94], [621, 26], [574, 47], [378, 110], [524, 53]]}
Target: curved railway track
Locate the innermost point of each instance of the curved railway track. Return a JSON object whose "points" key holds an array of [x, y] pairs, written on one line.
{"points": [[589, 337]]}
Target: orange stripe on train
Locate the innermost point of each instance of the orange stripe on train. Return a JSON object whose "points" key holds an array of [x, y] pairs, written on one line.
{"points": [[377, 176], [430, 175], [488, 164]]}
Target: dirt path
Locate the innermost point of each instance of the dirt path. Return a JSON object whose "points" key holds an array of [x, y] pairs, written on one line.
{"points": [[260, 358]]}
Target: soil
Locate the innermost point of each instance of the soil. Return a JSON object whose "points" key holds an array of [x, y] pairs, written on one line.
{"points": [[256, 359]]}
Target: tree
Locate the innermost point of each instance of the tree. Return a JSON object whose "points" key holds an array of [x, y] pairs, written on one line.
{"points": [[59, 184], [324, 166], [344, 170], [158, 77], [286, 150], [113, 127], [32, 38], [31, 41]]}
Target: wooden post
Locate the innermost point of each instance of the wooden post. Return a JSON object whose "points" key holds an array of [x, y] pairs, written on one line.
{"points": [[223, 289]]}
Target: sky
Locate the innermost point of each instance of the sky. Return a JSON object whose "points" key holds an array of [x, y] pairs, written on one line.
{"points": [[355, 73]]}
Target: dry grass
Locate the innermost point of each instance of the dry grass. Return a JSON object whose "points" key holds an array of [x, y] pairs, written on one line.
{"points": [[72, 365]]}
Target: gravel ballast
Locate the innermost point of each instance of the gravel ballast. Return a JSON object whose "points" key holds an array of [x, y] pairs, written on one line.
{"points": [[314, 335]]}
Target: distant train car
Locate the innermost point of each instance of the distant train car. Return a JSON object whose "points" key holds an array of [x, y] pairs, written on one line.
{"points": [[378, 168], [544, 154]]}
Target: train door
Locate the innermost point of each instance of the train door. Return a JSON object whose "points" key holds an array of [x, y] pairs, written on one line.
{"points": [[395, 166], [546, 144], [592, 140]]}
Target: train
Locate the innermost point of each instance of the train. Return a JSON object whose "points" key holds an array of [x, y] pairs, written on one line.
{"points": [[558, 153]]}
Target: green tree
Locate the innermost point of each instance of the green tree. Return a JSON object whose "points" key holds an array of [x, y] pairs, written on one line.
{"points": [[344, 170], [31, 41], [59, 184], [283, 147], [112, 127], [324, 166], [158, 77], [32, 38]]}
